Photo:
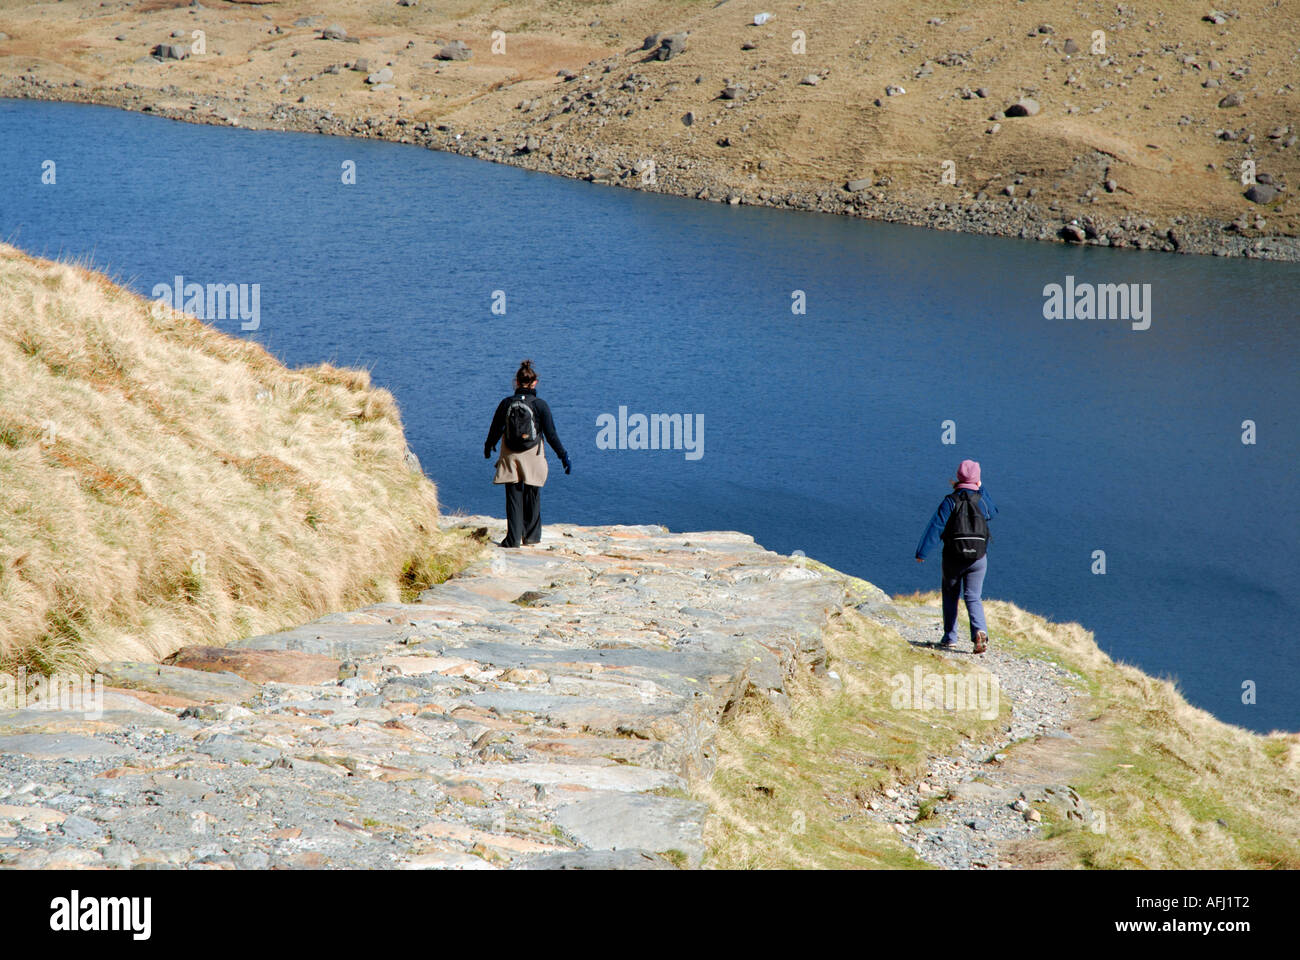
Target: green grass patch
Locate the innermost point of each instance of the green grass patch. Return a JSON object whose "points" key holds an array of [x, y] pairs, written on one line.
{"points": [[790, 788]]}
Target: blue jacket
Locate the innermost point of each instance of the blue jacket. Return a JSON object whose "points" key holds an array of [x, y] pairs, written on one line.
{"points": [[940, 518]]}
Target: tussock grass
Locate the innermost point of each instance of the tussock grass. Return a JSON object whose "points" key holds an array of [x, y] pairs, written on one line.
{"points": [[1178, 787], [162, 483], [789, 788]]}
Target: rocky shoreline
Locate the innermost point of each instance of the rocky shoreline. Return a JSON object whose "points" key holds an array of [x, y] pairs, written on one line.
{"points": [[582, 158]]}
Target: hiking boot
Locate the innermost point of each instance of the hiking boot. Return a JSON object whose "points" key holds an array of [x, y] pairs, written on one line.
{"points": [[981, 641], [945, 645]]}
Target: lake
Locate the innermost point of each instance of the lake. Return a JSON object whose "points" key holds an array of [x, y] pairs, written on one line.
{"points": [[823, 430]]}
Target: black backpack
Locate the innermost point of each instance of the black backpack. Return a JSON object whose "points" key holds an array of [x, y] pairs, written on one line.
{"points": [[521, 433], [966, 534]]}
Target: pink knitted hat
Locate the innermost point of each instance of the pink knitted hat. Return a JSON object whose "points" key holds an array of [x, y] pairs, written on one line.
{"points": [[968, 475]]}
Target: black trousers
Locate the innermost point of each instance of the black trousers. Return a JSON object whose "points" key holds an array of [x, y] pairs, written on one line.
{"points": [[523, 514]]}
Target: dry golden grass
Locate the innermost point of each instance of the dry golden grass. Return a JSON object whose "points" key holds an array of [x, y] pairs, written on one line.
{"points": [[164, 484], [1137, 114], [1178, 787], [789, 789]]}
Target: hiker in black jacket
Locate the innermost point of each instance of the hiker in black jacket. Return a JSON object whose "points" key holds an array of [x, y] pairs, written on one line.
{"points": [[963, 575], [521, 422]]}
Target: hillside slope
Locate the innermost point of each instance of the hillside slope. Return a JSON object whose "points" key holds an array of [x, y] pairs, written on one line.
{"points": [[628, 697], [1149, 121], [162, 483], [1095, 765]]}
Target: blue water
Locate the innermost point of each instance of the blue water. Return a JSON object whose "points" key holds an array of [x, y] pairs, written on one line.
{"points": [[822, 431]]}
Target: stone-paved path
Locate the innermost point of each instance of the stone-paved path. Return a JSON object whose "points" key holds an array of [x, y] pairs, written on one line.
{"points": [[982, 803], [544, 709]]}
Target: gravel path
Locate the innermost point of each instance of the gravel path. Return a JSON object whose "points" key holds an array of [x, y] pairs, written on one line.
{"points": [[978, 807]]}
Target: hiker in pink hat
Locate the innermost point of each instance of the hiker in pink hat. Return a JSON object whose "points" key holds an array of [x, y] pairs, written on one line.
{"points": [[961, 522]]}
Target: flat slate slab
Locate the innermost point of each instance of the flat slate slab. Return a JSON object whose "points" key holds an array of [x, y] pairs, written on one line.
{"points": [[200, 685], [65, 746], [259, 666], [637, 821], [548, 708]]}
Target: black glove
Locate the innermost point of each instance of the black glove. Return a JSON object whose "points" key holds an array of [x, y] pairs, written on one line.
{"points": [[567, 465], [487, 452]]}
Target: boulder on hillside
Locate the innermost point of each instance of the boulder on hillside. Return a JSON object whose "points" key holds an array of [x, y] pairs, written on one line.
{"points": [[1024, 107], [334, 32], [456, 50], [170, 51], [670, 46], [1261, 193]]}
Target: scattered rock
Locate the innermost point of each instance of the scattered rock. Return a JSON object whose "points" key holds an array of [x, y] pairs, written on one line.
{"points": [[170, 51], [671, 46], [1261, 193], [1024, 107], [456, 50], [215, 711]]}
